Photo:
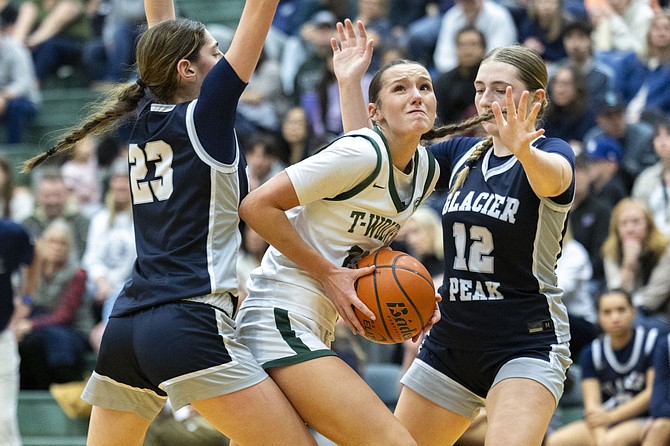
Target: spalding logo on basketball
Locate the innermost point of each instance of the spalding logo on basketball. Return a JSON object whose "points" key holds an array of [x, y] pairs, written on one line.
{"points": [[399, 292]]}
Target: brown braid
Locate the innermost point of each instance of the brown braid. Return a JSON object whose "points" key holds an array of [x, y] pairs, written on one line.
{"points": [[450, 129], [105, 116], [472, 159]]}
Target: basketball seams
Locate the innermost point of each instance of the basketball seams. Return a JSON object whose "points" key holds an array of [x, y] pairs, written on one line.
{"points": [[379, 304], [396, 296]]}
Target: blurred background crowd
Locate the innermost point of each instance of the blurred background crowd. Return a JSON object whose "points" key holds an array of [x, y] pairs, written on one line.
{"points": [[608, 96]]}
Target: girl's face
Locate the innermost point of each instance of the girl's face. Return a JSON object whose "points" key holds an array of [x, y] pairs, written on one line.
{"points": [[407, 102], [659, 32], [208, 56], [662, 143], [294, 127], [492, 80], [563, 88], [56, 246], [547, 8], [119, 186], [632, 224], [615, 314]]}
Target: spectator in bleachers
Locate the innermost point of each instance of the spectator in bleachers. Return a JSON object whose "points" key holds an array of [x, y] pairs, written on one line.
{"points": [[617, 377], [298, 136], [321, 101], [492, 19], [53, 337], [574, 273], [456, 88], [634, 137], [306, 53], [109, 58], [81, 176], [643, 77], [252, 249], [568, 115], [608, 183], [620, 25], [53, 202], [16, 256], [422, 235], [652, 185], [542, 28], [110, 248], [19, 94], [263, 101], [55, 31], [375, 14], [579, 49], [637, 258], [589, 219], [421, 35], [402, 13], [262, 159], [657, 433]]}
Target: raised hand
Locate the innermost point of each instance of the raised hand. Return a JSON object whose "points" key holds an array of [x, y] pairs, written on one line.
{"points": [[353, 53], [517, 127]]}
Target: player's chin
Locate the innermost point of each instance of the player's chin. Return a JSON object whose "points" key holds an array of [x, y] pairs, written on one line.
{"points": [[491, 128]]}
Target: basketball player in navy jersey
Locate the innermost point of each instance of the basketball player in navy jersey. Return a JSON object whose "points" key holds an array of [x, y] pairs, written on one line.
{"points": [[617, 377], [170, 332], [502, 341], [657, 433], [320, 217]]}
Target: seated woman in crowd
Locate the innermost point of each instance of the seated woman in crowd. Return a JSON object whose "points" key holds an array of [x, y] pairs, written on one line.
{"points": [[53, 336], [636, 256]]}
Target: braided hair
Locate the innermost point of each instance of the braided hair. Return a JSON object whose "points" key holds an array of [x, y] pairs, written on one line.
{"points": [[159, 49]]}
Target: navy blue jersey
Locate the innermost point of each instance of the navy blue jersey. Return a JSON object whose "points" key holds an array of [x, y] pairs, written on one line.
{"points": [[501, 244], [660, 396], [16, 249], [187, 178], [622, 373]]}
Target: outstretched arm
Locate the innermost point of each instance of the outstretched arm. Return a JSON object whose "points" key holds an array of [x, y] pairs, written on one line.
{"points": [[351, 59], [158, 11], [245, 49], [549, 174]]}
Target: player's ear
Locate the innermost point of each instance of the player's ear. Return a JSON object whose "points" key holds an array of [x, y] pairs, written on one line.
{"points": [[185, 70], [373, 112]]}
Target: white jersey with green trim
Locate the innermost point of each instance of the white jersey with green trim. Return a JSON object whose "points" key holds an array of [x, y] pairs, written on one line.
{"points": [[353, 201]]}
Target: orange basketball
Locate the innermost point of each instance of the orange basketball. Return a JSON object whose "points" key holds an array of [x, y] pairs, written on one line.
{"points": [[399, 292]]}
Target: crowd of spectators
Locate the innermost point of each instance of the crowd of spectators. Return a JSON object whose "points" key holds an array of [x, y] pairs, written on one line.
{"points": [[608, 97]]}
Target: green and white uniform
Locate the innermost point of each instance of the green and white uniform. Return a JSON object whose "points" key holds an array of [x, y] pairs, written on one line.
{"points": [[353, 201]]}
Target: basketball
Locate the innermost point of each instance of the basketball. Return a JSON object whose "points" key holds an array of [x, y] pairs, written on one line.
{"points": [[399, 292]]}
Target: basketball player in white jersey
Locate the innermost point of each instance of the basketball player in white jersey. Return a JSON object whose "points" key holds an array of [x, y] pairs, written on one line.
{"points": [[320, 216], [502, 340], [170, 332]]}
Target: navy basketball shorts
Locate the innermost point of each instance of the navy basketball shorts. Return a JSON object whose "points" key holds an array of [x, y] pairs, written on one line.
{"points": [[183, 350], [459, 380]]}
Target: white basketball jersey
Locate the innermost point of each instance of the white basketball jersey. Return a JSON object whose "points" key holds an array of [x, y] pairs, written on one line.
{"points": [[353, 202]]}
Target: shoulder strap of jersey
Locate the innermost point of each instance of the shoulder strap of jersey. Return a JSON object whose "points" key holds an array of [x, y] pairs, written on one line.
{"points": [[429, 175], [369, 179], [596, 353]]}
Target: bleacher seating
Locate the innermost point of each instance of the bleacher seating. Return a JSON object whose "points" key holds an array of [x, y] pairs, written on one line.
{"points": [[61, 109], [226, 12], [42, 422]]}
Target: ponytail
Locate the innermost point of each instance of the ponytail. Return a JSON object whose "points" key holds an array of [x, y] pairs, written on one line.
{"points": [[105, 117]]}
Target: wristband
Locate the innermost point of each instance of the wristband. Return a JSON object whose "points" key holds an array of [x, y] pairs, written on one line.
{"points": [[26, 299]]}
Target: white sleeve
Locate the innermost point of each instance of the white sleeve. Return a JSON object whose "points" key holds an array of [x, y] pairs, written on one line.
{"points": [[336, 169]]}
